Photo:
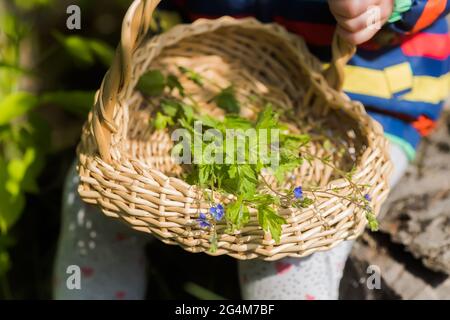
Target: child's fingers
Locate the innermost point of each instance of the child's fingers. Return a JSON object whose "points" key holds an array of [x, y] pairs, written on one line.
{"points": [[354, 24], [366, 20], [351, 8], [358, 37]]}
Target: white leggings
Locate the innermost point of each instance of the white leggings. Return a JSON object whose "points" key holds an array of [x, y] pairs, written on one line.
{"points": [[111, 258]]}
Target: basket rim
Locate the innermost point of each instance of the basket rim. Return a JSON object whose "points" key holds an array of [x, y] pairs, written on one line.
{"points": [[114, 184], [372, 136]]}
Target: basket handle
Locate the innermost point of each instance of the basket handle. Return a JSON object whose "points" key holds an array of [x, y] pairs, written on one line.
{"points": [[135, 26], [342, 53]]}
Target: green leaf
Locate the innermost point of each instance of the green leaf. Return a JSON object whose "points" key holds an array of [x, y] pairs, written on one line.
{"points": [[226, 100], [15, 105], [237, 214], [102, 50], [11, 206], [188, 112], [270, 221], [17, 169], [295, 140], [264, 199], [152, 83], [208, 121], [5, 263], [283, 169], [236, 122], [305, 202], [205, 174], [372, 221], [170, 107], [31, 4], [161, 121], [267, 119], [192, 75], [241, 179], [174, 83], [77, 47], [85, 50], [75, 102]]}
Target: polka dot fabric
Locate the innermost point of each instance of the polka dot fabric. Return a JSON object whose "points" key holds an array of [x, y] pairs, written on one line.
{"points": [[315, 277], [98, 246]]}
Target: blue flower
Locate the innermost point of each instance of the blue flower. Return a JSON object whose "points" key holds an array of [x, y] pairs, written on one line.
{"points": [[203, 221], [298, 193], [368, 197], [217, 212]]}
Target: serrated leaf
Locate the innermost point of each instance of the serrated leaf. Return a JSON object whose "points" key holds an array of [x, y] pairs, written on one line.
{"points": [[236, 122], [271, 222], [242, 180], [267, 119], [237, 214], [205, 174]]}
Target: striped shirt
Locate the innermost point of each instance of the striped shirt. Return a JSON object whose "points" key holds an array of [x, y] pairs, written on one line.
{"points": [[402, 76]]}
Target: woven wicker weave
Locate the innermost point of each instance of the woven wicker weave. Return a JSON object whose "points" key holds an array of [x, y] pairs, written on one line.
{"points": [[126, 169]]}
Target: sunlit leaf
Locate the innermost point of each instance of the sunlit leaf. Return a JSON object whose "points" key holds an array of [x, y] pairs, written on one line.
{"points": [[161, 121], [5, 263], [103, 51], [271, 222], [10, 206], [31, 4], [77, 47], [15, 105]]}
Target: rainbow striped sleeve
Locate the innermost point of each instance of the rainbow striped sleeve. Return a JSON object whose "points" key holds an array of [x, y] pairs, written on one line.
{"points": [[421, 15]]}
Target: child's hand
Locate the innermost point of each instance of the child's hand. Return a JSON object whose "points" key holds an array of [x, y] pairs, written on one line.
{"points": [[354, 18]]}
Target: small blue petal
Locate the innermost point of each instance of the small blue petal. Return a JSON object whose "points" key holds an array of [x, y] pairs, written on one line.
{"points": [[202, 216], [204, 224], [368, 197], [298, 193], [219, 216], [217, 212]]}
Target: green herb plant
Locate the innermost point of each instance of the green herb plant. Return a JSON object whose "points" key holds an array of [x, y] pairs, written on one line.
{"points": [[244, 179]]}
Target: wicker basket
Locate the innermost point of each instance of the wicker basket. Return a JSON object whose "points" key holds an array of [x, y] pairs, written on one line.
{"points": [[126, 169]]}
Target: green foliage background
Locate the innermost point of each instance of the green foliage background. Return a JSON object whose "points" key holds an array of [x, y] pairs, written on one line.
{"points": [[48, 78]]}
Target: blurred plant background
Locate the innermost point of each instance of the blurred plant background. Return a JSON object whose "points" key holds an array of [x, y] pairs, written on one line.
{"points": [[48, 78]]}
